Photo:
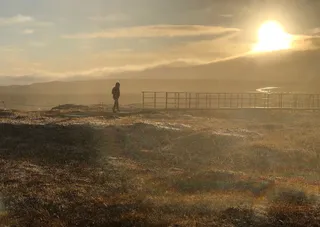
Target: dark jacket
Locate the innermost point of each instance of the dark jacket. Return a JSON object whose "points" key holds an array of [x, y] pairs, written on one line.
{"points": [[116, 92]]}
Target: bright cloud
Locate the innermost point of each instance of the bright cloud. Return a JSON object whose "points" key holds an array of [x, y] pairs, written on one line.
{"points": [[154, 31]]}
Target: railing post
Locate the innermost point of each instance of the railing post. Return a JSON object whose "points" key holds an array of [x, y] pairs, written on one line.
{"points": [[190, 100], [155, 100], [143, 93], [179, 100], [197, 100], [237, 100], [279, 100], [186, 100], [255, 101], [166, 100], [313, 102], [175, 100], [225, 100], [303, 102], [206, 101]]}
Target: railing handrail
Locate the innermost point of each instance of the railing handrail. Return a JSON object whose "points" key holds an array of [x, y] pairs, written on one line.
{"points": [[186, 92], [219, 100]]}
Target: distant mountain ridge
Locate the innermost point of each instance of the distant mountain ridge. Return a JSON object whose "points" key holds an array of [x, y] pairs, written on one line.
{"points": [[285, 68]]}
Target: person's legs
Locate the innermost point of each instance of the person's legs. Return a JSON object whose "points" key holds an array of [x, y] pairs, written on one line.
{"points": [[115, 105], [118, 105]]}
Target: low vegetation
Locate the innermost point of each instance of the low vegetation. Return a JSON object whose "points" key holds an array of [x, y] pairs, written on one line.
{"points": [[241, 168]]}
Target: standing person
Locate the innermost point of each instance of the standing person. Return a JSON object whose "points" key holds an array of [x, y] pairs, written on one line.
{"points": [[116, 96]]}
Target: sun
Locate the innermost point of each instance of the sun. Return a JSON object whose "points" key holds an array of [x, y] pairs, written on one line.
{"points": [[272, 37]]}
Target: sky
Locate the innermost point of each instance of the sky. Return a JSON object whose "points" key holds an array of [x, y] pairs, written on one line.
{"points": [[69, 38]]}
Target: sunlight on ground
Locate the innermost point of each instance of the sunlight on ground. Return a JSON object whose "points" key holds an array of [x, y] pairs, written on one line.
{"points": [[272, 37]]}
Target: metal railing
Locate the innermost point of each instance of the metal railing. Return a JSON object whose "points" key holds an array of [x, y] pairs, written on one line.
{"points": [[190, 100]]}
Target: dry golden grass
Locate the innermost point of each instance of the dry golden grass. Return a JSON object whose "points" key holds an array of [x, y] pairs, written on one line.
{"points": [[240, 168]]}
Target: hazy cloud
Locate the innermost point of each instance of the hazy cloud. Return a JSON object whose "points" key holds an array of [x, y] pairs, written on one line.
{"points": [[4, 21], [110, 70], [42, 24], [110, 18], [315, 31], [37, 44], [28, 31], [155, 31], [124, 50], [226, 15], [22, 19], [12, 49], [99, 71], [106, 62], [309, 42]]}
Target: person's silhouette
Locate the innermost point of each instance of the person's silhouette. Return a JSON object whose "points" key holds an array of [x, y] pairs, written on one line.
{"points": [[116, 96]]}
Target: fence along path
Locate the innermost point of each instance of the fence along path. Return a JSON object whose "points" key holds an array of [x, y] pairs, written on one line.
{"points": [[190, 100]]}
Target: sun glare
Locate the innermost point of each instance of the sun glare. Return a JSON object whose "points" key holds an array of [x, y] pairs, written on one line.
{"points": [[272, 37]]}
